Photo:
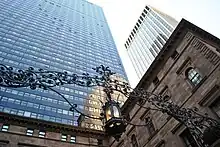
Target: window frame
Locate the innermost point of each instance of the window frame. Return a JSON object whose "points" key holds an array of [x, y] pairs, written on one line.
{"points": [[156, 81], [99, 142], [62, 138], [73, 139], [213, 104], [28, 133], [134, 141], [42, 135], [186, 136], [150, 126], [3, 129], [196, 75]]}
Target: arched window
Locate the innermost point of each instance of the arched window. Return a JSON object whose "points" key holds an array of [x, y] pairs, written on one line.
{"points": [[134, 141], [193, 76]]}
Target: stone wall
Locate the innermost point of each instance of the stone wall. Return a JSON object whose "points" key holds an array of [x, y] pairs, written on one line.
{"points": [[193, 51], [16, 136]]}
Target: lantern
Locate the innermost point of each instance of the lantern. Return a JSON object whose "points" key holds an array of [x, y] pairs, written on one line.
{"points": [[114, 124]]}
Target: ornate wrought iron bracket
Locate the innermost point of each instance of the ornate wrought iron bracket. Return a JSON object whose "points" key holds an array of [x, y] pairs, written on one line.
{"points": [[198, 124]]}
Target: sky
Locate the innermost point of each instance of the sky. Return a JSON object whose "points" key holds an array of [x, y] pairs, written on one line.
{"points": [[122, 15]]}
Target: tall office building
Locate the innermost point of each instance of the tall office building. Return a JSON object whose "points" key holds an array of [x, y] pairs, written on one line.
{"points": [[60, 35], [150, 33]]}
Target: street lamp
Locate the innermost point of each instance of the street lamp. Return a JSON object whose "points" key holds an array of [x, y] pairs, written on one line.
{"points": [[113, 120], [200, 126]]}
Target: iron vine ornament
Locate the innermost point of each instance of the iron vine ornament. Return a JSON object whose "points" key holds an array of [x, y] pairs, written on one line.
{"points": [[204, 129]]}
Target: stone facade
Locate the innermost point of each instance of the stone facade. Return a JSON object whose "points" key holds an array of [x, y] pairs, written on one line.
{"points": [[16, 134], [189, 47]]}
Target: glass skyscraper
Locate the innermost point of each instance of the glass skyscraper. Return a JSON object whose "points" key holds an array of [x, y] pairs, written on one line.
{"points": [[60, 35], [150, 33]]}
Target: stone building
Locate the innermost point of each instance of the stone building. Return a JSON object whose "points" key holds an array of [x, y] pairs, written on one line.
{"points": [[17, 131], [187, 70]]}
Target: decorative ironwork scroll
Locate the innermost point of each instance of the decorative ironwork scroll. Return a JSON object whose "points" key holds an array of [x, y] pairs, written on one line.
{"points": [[43, 78], [199, 125]]}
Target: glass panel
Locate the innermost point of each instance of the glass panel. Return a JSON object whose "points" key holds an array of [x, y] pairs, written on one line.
{"points": [[5, 128], [194, 77], [64, 137], [41, 134], [29, 132], [73, 139], [116, 112], [108, 114]]}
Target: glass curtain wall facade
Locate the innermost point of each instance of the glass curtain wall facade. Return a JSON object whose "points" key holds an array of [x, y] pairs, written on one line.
{"points": [[60, 35], [150, 33]]}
